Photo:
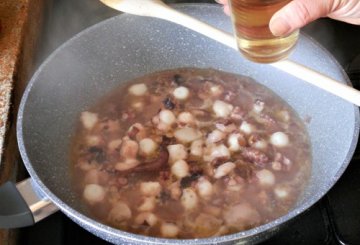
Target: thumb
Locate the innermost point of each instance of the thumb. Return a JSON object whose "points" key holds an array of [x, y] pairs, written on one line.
{"points": [[298, 13]]}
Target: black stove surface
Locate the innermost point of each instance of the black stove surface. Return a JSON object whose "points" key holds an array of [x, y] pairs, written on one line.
{"points": [[335, 219]]}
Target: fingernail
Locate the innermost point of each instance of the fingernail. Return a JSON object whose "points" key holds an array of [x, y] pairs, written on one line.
{"points": [[279, 27], [218, 1]]}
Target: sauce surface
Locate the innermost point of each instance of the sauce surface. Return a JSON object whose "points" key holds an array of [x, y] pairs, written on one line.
{"points": [[190, 153]]}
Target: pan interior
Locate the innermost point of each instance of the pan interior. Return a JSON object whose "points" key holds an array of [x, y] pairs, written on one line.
{"points": [[125, 47]]}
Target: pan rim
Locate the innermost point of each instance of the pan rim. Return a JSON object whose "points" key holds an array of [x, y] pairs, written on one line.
{"points": [[99, 227]]}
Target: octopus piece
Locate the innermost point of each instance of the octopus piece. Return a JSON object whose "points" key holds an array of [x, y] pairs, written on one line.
{"points": [[180, 169], [129, 149], [282, 192], [187, 135], [247, 128], [169, 230], [277, 166], [210, 89], [279, 139], [218, 151], [155, 120], [222, 109], [175, 190], [137, 132], [215, 136], [237, 114], [255, 156], [119, 213], [236, 142], [196, 148], [229, 128], [216, 90], [281, 163], [147, 147], [203, 118], [267, 121], [139, 89], [126, 165], [163, 127], [167, 117], [229, 96], [257, 142], [181, 93], [224, 169], [204, 188], [89, 119], [283, 115], [258, 106], [138, 105], [150, 188], [146, 218], [266, 177], [235, 184], [93, 140], [189, 199], [241, 216], [94, 193], [177, 152], [148, 204], [185, 118]]}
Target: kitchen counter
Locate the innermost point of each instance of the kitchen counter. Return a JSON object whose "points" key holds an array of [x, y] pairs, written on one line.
{"points": [[19, 24], [12, 20]]}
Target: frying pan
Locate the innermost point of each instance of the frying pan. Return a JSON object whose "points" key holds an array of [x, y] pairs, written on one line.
{"points": [[98, 59]]}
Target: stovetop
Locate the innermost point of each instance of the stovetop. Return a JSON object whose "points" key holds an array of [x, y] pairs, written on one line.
{"points": [[335, 219]]}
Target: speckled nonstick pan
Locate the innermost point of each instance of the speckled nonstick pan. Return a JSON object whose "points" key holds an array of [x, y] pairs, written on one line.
{"points": [[92, 63]]}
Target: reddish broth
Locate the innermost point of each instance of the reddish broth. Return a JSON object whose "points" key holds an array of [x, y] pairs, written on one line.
{"points": [[250, 161]]}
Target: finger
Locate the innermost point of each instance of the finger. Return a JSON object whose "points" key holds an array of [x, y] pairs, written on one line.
{"points": [[227, 9], [348, 11], [221, 2], [298, 13]]}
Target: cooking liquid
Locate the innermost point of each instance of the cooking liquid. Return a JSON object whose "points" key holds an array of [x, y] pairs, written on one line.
{"points": [[94, 162], [254, 39]]}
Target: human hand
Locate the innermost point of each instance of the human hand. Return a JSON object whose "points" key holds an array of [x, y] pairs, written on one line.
{"points": [[226, 5], [298, 13]]}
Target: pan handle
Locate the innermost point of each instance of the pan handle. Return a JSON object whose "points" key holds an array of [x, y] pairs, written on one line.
{"points": [[22, 205]]}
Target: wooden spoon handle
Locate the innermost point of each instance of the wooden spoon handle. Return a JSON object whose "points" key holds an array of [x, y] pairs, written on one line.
{"points": [[164, 12], [320, 80]]}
